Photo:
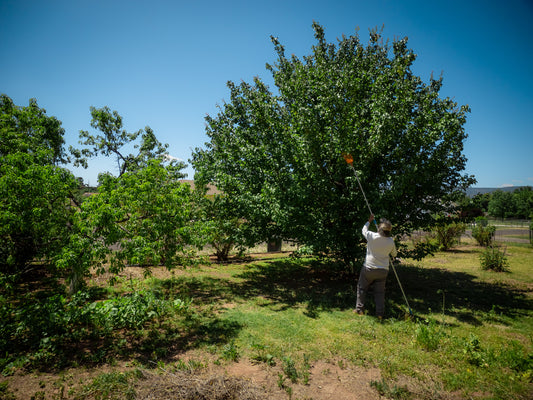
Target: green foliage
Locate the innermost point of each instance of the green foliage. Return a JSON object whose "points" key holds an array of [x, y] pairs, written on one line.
{"points": [[429, 334], [44, 329], [394, 392], [35, 193], [30, 131], [225, 229], [501, 204], [145, 216], [114, 139], [470, 207], [262, 355], [147, 213], [448, 234], [517, 204], [289, 368], [5, 392], [473, 352], [484, 234], [494, 259], [277, 155], [523, 202], [230, 352], [111, 386]]}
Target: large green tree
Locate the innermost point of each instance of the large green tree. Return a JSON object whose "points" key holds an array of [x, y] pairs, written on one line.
{"points": [[277, 154], [501, 204], [523, 199], [36, 194]]}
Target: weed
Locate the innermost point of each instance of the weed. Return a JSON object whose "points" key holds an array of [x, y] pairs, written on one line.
{"points": [[518, 359], [395, 392], [40, 395], [288, 389], [190, 366], [306, 374], [5, 393], [429, 335], [281, 381], [110, 386], [474, 353], [230, 352], [262, 355], [289, 368]]}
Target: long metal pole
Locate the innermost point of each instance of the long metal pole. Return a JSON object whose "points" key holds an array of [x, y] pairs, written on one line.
{"points": [[362, 191], [401, 287], [375, 223]]}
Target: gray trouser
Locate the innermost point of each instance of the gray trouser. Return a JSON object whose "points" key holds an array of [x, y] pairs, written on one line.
{"points": [[376, 277]]}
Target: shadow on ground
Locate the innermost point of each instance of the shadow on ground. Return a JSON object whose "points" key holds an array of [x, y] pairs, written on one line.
{"points": [[326, 286], [317, 287]]}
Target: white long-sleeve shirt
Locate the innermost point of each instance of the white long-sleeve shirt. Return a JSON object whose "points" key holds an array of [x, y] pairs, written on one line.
{"points": [[378, 249]]}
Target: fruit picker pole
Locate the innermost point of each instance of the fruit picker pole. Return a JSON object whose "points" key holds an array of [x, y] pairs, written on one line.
{"points": [[349, 159]]}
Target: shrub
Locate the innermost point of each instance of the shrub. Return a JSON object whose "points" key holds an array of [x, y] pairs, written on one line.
{"points": [[483, 221], [484, 234], [448, 235], [494, 259]]}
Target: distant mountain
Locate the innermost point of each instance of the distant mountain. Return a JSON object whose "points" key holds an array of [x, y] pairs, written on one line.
{"points": [[471, 192]]}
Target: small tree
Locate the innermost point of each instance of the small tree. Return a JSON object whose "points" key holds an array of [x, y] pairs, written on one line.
{"points": [[145, 213], [225, 229]]}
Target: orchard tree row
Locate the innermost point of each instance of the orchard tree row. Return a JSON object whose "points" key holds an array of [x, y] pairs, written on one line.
{"points": [[274, 155]]}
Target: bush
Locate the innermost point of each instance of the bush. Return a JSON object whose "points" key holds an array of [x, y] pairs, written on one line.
{"points": [[484, 234], [42, 330], [494, 259], [448, 235]]}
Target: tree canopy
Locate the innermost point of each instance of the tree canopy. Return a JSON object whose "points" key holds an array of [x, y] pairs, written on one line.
{"points": [[277, 154], [35, 193]]}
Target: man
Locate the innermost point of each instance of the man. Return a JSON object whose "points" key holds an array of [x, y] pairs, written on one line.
{"points": [[380, 246]]}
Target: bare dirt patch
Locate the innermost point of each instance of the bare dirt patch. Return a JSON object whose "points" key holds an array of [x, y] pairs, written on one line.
{"points": [[243, 380]]}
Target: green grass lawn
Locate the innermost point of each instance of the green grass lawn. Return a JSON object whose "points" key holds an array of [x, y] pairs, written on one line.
{"points": [[471, 333], [470, 336]]}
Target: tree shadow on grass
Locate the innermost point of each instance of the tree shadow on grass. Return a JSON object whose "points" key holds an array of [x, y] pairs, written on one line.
{"points": [[325, 286], [319, 287], [458, 294], [287, 283]]}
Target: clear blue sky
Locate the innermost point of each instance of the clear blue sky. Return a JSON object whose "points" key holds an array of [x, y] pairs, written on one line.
{"points": [[165, 64]]}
